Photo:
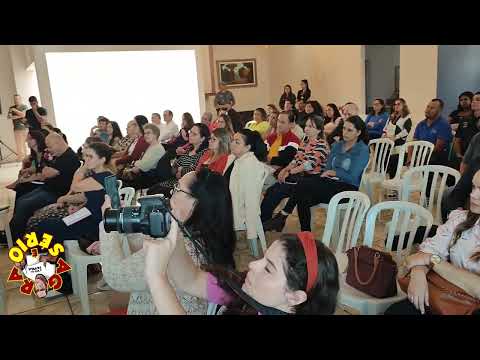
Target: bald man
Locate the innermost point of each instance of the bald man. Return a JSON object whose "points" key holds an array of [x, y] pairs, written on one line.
{"points": [[57, 181]]}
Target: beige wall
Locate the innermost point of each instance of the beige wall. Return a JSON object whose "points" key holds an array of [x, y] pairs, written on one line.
{"points": [[7, 90], [251, 97], [418, 77]]}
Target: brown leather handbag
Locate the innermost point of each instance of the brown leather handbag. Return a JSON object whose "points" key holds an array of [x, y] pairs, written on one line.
{"points": [[444, 297], [372, 272]]}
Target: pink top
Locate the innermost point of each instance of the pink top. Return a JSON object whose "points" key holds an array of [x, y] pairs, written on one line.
{"points": [[215, 293], [460, 254]]}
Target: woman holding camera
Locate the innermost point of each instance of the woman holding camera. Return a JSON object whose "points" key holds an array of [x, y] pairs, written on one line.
{"points": [[297, 275], [202, 202]]}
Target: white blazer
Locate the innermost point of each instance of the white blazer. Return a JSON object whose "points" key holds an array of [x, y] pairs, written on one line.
{"points": [[246, 182]]}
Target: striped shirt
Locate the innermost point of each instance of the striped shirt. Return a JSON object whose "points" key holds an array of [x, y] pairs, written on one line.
{"points": [[313, 155]]}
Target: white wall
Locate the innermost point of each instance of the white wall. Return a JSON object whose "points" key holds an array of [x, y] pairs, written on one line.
{"points": [[7, 90], [25, 79], [418, 77], [43, 78]]}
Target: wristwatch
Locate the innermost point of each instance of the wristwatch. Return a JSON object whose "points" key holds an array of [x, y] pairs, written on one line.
{"points": [[434, 260]]}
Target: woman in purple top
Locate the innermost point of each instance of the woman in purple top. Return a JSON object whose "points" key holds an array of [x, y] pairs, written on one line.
{"points": [[297, 275]]}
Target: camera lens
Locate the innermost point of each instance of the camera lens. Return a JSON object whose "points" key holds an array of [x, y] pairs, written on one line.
{"points": [[111, 220]]}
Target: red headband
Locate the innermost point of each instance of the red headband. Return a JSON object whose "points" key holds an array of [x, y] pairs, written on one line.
{"points": [[310, 249]]}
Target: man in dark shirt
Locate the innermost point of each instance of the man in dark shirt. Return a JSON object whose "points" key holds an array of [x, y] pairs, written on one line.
{"points": [[57, 181], [467, 144], [36, 115], [301, 114]]}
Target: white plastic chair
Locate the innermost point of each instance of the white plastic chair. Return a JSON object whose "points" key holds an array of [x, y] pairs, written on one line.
{"points": [[421, 174], [410, 214], [80, 260], [119, 184], [421, 153], [380, 156], [350, 223]]}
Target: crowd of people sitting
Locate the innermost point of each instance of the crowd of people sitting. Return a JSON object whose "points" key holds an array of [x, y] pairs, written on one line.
{"points": [[214, 171]]}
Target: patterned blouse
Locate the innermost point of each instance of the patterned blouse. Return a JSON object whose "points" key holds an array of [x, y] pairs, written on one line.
{"points": [[459, 254], [313, 155], [124, 143], [187, 163]]}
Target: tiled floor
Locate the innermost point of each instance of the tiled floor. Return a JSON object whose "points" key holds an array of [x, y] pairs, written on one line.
{"points": [[102, 302]]}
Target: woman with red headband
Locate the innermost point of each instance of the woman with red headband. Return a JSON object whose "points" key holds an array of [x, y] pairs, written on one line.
{"points": [[297, 275]]}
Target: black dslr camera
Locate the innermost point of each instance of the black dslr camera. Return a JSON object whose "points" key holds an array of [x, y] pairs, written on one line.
{"points": [[152, 217]]}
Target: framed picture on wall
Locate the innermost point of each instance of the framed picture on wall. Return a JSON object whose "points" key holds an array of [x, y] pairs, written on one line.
{"points": [[237, 73]]}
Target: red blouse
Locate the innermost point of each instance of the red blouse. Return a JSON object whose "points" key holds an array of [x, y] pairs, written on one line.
{"points": [[217, 165]]}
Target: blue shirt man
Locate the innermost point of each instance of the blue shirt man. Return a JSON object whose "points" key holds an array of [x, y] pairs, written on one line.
{"points": [[437, 130]]}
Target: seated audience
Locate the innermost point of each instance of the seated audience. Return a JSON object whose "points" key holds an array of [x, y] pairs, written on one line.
{"points": [[435, 129], [181, 138], [456, 244], [57, 180], [397, 129], [89, 140], [463, 112], [377, 119], [100, 129], [237, 122], [287, 95], [215, 158], [138, 146], [114, 135], [125, 142], [333, 118], [198, 139], [207, 119], [297, 275], [156, 119], [295, 128], [244, 172], [345, 165], [272, 120], [32, 165], [289, 106], [88, 185], [223, 121], [304, 93], [283, 144], [259, 122], [310, 161], [202, 202], [301, 114], [169, 129], [271, 108], [349, 109], [313, 107], [54, 210], [467, 129], [140, 174], [457, 197]]}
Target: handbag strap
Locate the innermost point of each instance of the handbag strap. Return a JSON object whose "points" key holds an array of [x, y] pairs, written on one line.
{"points": [[376, 260]]}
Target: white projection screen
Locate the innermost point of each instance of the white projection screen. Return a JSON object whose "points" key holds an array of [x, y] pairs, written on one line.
{"points": [[120, 85]]}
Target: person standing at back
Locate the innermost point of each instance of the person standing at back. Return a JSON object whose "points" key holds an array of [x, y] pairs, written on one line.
{"points": [[304, 93], [287, 95], [34, 118], [223, 97], [16, 113]]}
